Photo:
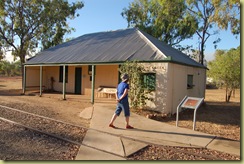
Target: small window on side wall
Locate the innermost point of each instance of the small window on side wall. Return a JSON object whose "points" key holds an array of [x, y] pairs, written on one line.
{"points": [[190, 84], [149, 81]]}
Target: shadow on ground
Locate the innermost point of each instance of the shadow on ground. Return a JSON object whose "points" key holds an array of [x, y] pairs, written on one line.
{"points": [[214, 112]]}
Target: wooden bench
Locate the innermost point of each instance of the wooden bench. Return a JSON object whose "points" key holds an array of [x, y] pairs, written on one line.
{"points": [[110, 91]]}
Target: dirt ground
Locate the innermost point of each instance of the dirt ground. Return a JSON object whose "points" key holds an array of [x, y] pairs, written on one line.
{"points": [[215, 116], [50, 104]]}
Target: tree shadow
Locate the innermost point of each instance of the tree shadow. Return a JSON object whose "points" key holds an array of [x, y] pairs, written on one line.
{"points": [[17, 92], [213, 112]]}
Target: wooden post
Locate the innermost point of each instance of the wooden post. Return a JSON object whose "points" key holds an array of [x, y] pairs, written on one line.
{"points": [[24, 80], [40, 81], [93, 84], [64, 84]]}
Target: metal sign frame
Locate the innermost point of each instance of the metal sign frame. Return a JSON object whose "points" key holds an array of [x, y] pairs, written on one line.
{"points": [[190, 103]]}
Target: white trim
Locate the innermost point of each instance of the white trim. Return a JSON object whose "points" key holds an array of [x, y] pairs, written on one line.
{"points": [[150, 43], [50, 65]]}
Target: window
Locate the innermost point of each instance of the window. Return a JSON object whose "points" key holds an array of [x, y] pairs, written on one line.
{"points": [[149, 81], [190, 84], [90, 69], [61, 74]]}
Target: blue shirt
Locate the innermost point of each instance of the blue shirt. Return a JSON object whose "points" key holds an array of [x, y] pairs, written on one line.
{"points": [[121, 88]]}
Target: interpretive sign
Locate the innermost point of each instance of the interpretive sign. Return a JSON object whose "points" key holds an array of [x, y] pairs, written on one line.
{"points": [[190, 103]]}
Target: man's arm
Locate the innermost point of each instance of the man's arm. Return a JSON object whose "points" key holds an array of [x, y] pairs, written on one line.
{"points": [[124, 94]]}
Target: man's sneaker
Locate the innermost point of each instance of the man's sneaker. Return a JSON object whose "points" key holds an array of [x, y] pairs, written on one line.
{"points": [[112, 126], [129, 127]]}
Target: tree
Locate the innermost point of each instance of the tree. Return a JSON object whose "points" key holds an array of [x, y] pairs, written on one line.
{"points": [[211, 13], [225, 68], [138, 93], [163, 19], [10, 68], [175, 21], [25, 24], [1, 54]]}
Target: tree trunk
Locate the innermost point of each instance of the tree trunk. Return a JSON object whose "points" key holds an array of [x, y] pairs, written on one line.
{"points": [[22, 61], [228, 94], [202, 53]]}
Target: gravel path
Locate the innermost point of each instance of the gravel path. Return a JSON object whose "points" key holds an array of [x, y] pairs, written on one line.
{"points": [[158, 152], [44, 124], [18, 143]]}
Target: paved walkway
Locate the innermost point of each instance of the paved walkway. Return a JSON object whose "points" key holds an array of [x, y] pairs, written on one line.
{"points": [[104, 143]]}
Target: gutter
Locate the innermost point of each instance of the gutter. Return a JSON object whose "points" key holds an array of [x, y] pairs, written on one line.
{"points": [[167, 59]]}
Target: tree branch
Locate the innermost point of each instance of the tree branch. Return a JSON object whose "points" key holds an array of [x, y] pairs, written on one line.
{"points": [[6, 39]]}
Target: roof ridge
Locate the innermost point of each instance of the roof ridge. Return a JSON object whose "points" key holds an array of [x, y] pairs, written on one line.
{"points": [[169, 47], [149, 42]]}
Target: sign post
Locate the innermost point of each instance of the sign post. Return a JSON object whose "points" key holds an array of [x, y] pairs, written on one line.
{"points": [[191, 103]]}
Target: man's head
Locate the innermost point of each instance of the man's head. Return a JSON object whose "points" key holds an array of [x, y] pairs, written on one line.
{"points": [[125, 77]]}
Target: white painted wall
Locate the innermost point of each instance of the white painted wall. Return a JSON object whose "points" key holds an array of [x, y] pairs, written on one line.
{"points": [[171, 81], [160, 94], [178, 80]]}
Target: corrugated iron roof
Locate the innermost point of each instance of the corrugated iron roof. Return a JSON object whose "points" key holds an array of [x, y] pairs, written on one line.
{"points": [[111, 47]]}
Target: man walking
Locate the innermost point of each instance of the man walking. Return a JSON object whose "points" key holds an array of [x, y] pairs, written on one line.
{"points": [[122, 102]]}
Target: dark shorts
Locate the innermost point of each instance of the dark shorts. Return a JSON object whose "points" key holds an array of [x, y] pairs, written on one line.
{"points": [[123, 105]]}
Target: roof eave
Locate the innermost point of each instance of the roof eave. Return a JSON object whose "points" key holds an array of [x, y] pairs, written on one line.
{"points": [[168, 59]]}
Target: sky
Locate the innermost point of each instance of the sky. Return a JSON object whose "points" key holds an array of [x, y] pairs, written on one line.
{"points": [[105, 15]]}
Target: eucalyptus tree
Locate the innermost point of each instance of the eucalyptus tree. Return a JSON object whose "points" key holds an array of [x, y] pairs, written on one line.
{"points": [[177, 20], [26, 25], [211, 13], [1, 54], [226, 69], [166, 20]]}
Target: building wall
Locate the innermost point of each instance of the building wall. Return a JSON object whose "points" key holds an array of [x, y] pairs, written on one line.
{"points": [[33, 77], [177, 84], [105, 75], [171, 82], [171, 85], [160, 95]]}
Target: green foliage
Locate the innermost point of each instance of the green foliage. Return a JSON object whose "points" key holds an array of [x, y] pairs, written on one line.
{"points": [[227, 15], [177, 20], [25, 24], [163, 19], [1, 55], [225, 69], [223, 13], [10, 69], [138, 93]]}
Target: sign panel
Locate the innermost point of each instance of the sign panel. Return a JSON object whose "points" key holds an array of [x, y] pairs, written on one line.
{"points": [[191, 102]]}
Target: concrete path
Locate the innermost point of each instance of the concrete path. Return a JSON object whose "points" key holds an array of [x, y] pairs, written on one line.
{"points": [[104, 143]]}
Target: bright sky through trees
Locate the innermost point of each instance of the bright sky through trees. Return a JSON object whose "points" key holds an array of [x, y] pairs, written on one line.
{"points": [[105, 15]]}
